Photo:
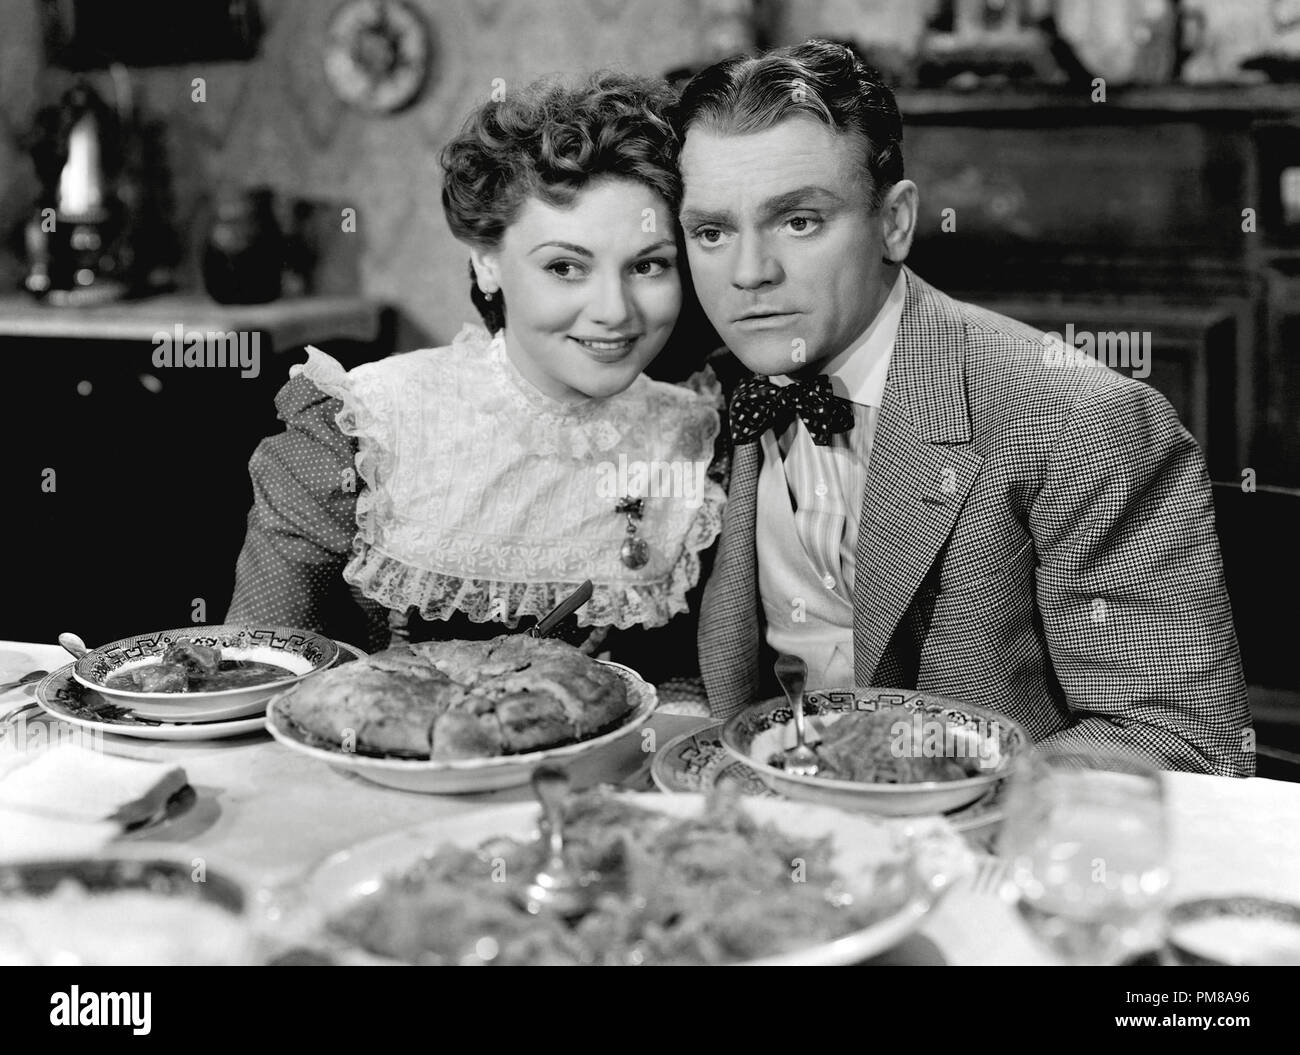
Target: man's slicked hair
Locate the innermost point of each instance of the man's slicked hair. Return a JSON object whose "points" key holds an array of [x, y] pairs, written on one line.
{"points": [[817, 79]]}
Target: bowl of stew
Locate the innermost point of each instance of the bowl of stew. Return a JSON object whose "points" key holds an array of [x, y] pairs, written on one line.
{"points": [[203, 673], [894, 752]]}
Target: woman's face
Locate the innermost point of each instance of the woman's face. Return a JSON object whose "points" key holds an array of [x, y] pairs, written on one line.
{"points": [[592, 290]]}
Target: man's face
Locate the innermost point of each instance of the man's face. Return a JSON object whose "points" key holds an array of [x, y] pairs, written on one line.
{"points": [[786, 253]]}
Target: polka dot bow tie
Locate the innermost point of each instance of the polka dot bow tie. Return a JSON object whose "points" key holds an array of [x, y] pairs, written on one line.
{"points": [[759, 405]]}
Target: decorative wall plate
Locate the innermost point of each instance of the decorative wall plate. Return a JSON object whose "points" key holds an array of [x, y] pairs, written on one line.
{"points": [[377, 54]]}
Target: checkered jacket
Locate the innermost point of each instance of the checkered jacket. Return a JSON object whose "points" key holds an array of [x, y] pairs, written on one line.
{"points": [[1035, 538]]}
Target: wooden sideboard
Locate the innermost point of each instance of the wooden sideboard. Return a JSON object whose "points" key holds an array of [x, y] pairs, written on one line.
{"points": [[1160, 209]]}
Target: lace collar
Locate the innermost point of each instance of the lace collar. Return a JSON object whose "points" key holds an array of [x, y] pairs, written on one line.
{"points": [[481, 497], [533, 421]]}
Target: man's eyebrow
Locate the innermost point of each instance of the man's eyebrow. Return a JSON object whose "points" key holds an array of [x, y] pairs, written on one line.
{"points": [[691, 217], [774, 206], [800, 196]]}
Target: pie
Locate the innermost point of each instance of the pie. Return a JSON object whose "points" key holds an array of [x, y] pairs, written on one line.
{"points": [[459, 699]]}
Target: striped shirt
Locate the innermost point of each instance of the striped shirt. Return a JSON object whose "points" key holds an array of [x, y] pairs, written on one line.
{"points": [[826, 487]]}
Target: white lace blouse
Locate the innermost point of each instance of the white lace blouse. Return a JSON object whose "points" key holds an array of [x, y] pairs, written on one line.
{"points": [[482, 495]]}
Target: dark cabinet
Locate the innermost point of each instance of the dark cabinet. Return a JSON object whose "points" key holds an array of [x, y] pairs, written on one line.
{"points": [[125, 484], [1171, 210]]}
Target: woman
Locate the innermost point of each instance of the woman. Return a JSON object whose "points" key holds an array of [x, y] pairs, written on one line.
{"points": [[464, 491]]}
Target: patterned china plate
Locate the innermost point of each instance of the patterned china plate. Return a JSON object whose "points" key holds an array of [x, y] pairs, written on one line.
{"points": [[65, 699], [927, 726], [165, 889], [696, 761], [297, 653]]}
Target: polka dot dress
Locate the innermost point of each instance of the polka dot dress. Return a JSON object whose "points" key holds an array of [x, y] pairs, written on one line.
{"points": [[301, 526]]}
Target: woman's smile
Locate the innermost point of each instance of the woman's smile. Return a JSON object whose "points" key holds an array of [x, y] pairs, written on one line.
{"points": [[606, 349]]}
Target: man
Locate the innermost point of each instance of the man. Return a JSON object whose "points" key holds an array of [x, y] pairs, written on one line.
{"points": [[978, 520]]}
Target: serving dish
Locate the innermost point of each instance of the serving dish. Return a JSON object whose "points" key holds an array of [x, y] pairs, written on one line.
{"points": [[300, 653], [464, 775], [64, 699], [122, 910], [1234, 931], [926, 723], [909, 864], [696, 762]]}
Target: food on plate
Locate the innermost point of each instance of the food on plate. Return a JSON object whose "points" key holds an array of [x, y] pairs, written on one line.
{"points": [[195, 659], [74, 926], [381, 710], [155, 677], [190, 667], [867, 747], [460, 699], [718, 888]]}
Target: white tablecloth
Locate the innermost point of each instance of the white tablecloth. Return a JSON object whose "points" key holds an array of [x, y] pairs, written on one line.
{"points": [[265, 813]]}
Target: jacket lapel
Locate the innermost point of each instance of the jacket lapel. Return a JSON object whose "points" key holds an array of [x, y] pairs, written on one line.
{"points": [[921, 471]]}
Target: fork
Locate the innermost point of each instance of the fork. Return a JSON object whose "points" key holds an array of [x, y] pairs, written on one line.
{"points": [[989, 876], [792, 673]]}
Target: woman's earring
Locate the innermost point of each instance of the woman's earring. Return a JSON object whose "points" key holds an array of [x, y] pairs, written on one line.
{"points": [[488, 294]]}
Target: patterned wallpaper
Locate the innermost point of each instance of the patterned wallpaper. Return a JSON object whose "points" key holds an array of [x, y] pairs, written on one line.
{"points": [[274, 121]]}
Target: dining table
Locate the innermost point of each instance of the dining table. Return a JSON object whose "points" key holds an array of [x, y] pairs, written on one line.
{"points": [[266, 815]]}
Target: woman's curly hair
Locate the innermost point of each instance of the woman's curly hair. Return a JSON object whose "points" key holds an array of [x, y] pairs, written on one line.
{"points": [[548, 141]]}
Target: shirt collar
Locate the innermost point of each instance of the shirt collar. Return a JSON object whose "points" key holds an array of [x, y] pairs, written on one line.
{"points": [[858, 372]]}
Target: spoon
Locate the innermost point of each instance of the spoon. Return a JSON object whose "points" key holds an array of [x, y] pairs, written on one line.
{"points": [[792, 673], [72, 643], [554, 888], [26, 679]]}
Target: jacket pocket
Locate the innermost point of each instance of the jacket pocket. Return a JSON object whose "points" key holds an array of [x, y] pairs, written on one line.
{"points": [[1019, 562]]}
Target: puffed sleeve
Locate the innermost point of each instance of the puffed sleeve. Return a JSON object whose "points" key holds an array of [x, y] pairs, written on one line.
{"points": [[301, 525]]}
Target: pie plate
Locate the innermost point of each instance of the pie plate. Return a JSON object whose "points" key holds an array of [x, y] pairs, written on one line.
{"points": [[464, 775]]}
